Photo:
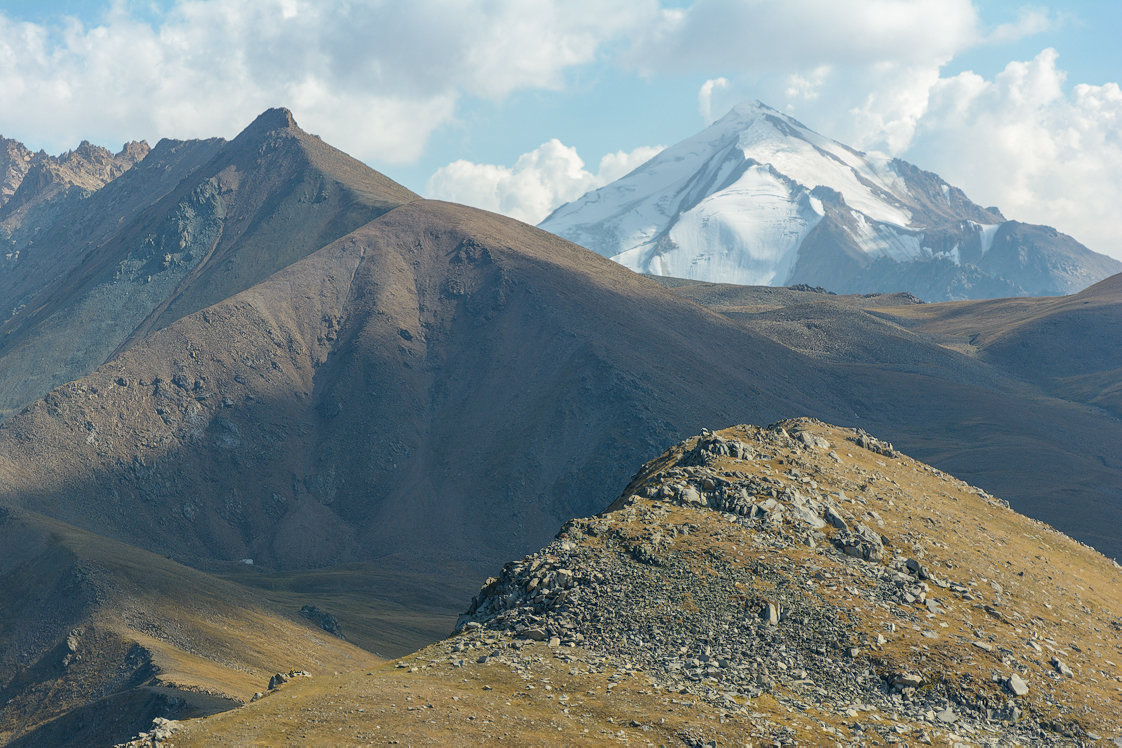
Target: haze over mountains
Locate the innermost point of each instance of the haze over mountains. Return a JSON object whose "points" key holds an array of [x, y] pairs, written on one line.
{"points": [[757, 198], [262, 349]]}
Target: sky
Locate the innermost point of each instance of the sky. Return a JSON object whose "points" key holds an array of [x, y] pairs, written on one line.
{"points": [[521, 105]]}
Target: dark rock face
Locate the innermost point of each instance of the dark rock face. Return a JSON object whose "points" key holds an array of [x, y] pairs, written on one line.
{"points": [[323, 619]]}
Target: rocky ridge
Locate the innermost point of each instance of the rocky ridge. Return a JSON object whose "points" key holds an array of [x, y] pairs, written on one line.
{"points": [[27, 177], [15, 160], [798, 562], [37, 189], [799, 584]]}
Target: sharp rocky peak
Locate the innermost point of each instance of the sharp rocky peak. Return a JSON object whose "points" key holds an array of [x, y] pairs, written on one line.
{"points": [[277, 118]]}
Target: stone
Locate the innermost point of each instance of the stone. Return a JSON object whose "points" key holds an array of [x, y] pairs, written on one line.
{"points": [[835, 519], [690, 495], [804, 513], [770, 613], [534, 633], [861, 542], [1017, 685], [1062, 668], [815, 442], [917, 568], [947, 716], [907, 680]]}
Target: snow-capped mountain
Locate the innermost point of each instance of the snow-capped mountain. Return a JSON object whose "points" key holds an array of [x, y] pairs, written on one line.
{"points": [[758, 198]]}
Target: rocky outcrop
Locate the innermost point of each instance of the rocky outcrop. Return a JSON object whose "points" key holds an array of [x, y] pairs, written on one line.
{"points": [[27, 178], [742, 564], [15, 160], [323, 619]]}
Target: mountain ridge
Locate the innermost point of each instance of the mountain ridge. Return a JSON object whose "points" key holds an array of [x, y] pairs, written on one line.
{"points": [[379, 412], [274, 192]]}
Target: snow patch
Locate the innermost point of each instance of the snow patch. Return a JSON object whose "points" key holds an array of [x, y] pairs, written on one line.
{"points": [[881, 240], [986, 233]]}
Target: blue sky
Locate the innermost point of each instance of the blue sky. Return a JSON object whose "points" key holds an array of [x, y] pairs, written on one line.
{"points": [[518, 105]]}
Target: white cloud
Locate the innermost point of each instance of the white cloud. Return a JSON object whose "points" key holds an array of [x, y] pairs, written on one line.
{"points": [[705, 97], [1030, 21], [806, 86], [761, 35], [540, 181], [1022, 143], [857, 69], [375, 78]]}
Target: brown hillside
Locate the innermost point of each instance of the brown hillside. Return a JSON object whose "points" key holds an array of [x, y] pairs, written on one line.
{"points": [[1066, 345]]}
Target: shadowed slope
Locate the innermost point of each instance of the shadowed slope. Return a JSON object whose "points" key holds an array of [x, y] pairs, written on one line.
{"points": [[99, 637], [402, 386], [1068, 345]]}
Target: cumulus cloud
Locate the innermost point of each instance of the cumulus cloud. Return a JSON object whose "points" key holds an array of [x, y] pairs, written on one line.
{"points": [[705, 97], [1023, 143], [378, 78], [543, 179], [375, 78], [860, 70]]}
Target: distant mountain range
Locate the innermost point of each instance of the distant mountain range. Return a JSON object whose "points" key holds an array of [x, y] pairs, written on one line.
{"points": [[758, 198], [263, 350]]}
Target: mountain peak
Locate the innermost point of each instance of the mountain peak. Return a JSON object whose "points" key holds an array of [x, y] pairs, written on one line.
{"points": [[758, 198], [277, 118], [747, 110], [755, 120]]}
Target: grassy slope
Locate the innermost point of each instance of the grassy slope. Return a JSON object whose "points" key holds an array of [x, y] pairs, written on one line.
{"points": [[141, 622]]}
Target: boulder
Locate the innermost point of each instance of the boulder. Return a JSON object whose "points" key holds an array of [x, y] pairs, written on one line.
{"points": [[1017, 685], [861, 542]]}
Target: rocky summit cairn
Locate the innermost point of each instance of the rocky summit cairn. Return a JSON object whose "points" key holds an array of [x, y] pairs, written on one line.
{"points": [[820, 570]]}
